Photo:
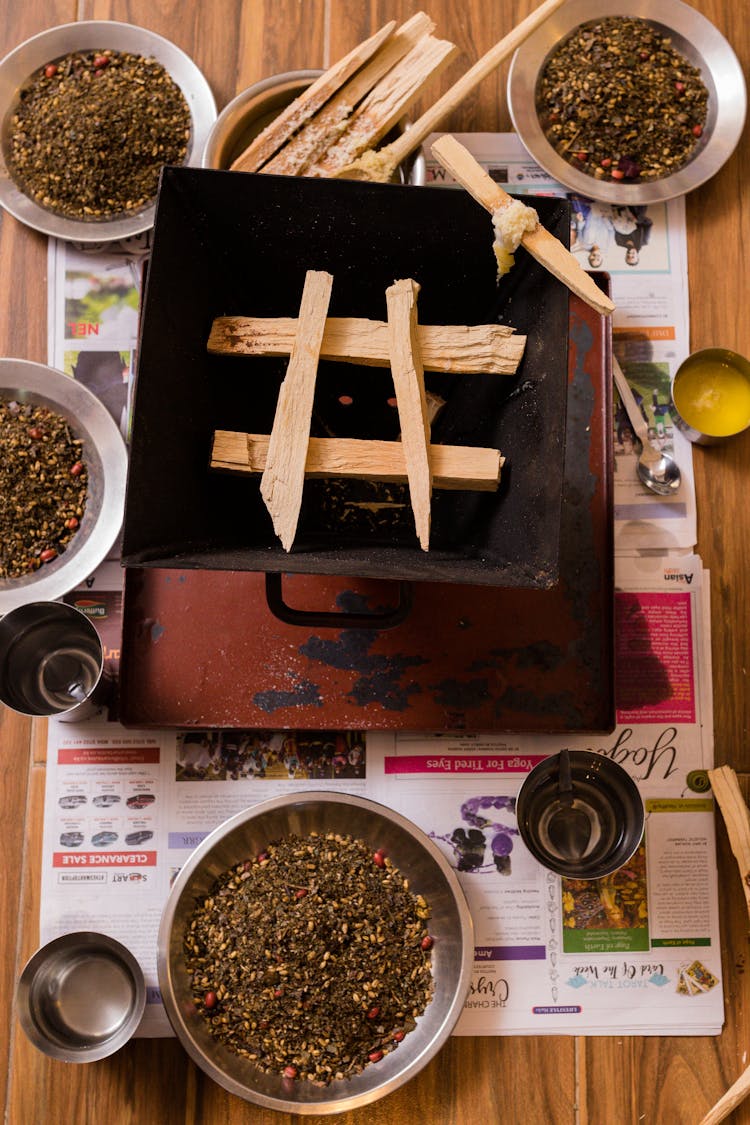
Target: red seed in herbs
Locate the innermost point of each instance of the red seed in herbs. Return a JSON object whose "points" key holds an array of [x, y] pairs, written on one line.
{"points": [[209, 1000], [379, 859], [50, 70], [301, 893], [36, 433], [48, 554], [100, 61], [76, 469], [375, 1056], [398, 1035], [617, 174], [290, 1072], [427, 942], [373, 1013], [698, 130], [679, 87], [606, 162], [71, 523]]}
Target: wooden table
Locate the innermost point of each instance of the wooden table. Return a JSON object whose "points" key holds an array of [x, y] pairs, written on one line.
{"points": [[597, 1081]]}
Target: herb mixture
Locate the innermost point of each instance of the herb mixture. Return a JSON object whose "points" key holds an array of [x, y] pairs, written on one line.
{"points": [[312, 959], [92, 131], [618, 102], [43, 486]]}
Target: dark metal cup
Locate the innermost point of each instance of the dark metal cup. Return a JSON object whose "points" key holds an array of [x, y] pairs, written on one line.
{"points": [[51, 662], [603, 793]]}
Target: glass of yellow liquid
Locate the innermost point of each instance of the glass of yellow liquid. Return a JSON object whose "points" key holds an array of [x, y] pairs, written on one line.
{"points": [[711, 396]]}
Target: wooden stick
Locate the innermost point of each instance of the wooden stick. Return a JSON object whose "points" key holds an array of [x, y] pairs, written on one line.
{"points": [[470, 349], [262, 147], [380, 165], [454, 467], [734, 1095], [323, 130], [408, 380], [728, 795], [542, 245], [284, 473], [387, 103], [726, 790]]}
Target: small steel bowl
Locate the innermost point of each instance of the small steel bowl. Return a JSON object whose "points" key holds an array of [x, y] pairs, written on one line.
{"points": [[693, 36], [18, 66], [254, 108], [429, 874], [106, 460], [81, 997]]}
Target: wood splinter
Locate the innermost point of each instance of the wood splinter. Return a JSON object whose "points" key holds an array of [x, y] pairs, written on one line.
{"points": [[728, 795], [408, 380], [454, 467], [283, 477]]}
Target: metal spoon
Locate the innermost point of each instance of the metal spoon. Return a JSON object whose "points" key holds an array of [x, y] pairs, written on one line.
{"points": [[657, 470], [569, 827]]}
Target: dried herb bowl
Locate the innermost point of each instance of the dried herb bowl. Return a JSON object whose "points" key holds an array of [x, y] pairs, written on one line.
{"points": [[105, 458], [17, 68], [242, 838], [693, 37]]}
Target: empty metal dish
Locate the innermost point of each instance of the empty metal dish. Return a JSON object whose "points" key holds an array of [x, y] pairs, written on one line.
{"points": [[81, 997]]}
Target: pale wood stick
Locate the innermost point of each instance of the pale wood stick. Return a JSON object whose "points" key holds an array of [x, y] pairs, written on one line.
{"points": [[542, 245], [324, 129], [408, 380], [386, 104], [454, 467], [490, 349], [283, 477], [728, 795], [388, 158], [262, 147], [726, 790], [729, 1101]]}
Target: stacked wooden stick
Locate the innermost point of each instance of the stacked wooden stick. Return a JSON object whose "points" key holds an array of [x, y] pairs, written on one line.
{"points": [[289, 454]]}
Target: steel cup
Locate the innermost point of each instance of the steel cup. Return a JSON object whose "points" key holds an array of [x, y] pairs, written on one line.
{"points": [[711, 396], [602, 793], [51, 662]]}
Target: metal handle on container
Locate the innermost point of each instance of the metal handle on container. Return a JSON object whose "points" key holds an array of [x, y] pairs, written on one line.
{"points": [[322, 619]]}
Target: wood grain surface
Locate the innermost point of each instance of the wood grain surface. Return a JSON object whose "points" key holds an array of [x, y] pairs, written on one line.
{"points": [[611, 1080]]}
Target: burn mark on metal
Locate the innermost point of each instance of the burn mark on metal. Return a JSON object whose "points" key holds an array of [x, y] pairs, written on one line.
{"points": [[305, 694], [157, 632], [461, 695], [380, 675]]}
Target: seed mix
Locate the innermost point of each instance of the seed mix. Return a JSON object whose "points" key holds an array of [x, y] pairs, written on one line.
{"points": [[312, 959]]}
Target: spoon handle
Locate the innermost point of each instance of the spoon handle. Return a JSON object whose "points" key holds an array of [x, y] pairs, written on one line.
{"points": [[632, 409]]}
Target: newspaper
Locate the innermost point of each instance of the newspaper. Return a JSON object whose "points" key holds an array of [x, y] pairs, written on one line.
{"points": [[124, 808]]}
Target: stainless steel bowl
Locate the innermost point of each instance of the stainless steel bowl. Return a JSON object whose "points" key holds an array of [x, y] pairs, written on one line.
{"points": [[106, 460], [694, 37], [81, 997], [254, 108], [18, 66], [429, 874]]}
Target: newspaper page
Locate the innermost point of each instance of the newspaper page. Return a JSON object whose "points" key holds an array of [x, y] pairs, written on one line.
{"points": [[638, 951], [644, 251], [124, 809]]}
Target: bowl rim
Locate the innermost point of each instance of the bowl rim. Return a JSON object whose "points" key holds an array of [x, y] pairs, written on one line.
{"points": [[704, 40], [19, 64], [180, 886], [39, 383]]}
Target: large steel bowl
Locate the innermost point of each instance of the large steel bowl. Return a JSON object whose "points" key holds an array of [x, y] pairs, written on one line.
{"points": [[18, 66], [106, 460], [694, 36], [429, 874]]}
